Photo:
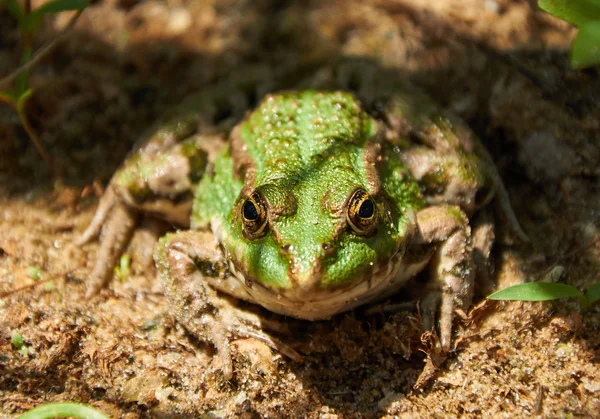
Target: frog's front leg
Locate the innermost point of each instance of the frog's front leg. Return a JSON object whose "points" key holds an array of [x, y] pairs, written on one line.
{"points": [[188, 262], [452, 268], [158, 180], [447, 159]]}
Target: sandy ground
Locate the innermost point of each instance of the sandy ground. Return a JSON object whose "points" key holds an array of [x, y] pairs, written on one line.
{"points": [[502, 65]]}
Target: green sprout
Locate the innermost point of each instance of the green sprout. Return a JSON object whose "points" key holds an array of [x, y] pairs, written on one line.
{"points": [[122, 271], [34, 272], [544, 291], [14, 89], [17, 340], [19, 343], [585, 15], [63, 410]]}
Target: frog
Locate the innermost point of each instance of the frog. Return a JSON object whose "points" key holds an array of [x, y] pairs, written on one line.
{"points": [[315, 203]]}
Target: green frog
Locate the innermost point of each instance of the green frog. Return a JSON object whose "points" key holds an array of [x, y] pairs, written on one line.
{"points": [[312, 205]]}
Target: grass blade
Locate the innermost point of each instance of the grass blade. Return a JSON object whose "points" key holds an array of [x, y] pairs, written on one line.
{"points": [[536, 291], [32, 21], [57, 6]]}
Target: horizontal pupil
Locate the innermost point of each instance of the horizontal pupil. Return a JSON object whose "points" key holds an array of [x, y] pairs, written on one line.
{"points": [[366, 209], [250, 211]]}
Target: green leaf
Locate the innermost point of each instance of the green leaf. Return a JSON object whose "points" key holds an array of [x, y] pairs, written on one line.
{"points": [[576, 12], [63, 410], [57, 6], [585, 49], [593, 293], [32, 21], [536, 291], [14, 8]]}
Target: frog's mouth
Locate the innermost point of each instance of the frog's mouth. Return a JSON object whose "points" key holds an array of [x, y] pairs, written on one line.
{"points": [[319, 303]]}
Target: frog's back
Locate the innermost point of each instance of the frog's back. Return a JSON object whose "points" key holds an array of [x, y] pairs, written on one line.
{"points": [[291, 134]]}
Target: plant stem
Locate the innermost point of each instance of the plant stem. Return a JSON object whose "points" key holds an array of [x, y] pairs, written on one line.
{"points": [[20, 108], [41, 53]]}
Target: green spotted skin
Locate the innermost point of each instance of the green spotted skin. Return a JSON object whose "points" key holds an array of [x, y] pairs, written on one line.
{"points": [[307, 153]]}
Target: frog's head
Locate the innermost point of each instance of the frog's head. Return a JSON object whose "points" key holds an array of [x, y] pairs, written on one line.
{"points": [[318, 226]]}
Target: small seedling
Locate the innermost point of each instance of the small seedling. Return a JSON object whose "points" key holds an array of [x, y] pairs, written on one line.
{"points": [[17, 340], [122, 271], [19, 93], [63, 410], [585, 14], [19, 344], [544, 291], [34, 272]]}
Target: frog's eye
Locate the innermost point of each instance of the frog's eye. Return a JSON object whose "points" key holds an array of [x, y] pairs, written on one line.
{"points": [[362, 213], [254, 216]]}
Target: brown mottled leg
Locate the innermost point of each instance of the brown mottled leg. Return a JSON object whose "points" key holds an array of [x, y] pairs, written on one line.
{"points": [[119, 222], [451, 267]]}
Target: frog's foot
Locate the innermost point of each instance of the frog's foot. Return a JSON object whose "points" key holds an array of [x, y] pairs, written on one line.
{"points": [[187, 261], [452, 268], [113, 222]]}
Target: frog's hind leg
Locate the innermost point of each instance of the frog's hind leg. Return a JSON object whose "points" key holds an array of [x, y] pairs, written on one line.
{"points": [[187, 262]]}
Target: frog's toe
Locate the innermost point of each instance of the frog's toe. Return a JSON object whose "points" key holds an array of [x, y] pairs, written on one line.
{"points": [[229, 327], [219, 337], [428, 309], [93, 230], [114, 237], [275, 344], [245, 324]]}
